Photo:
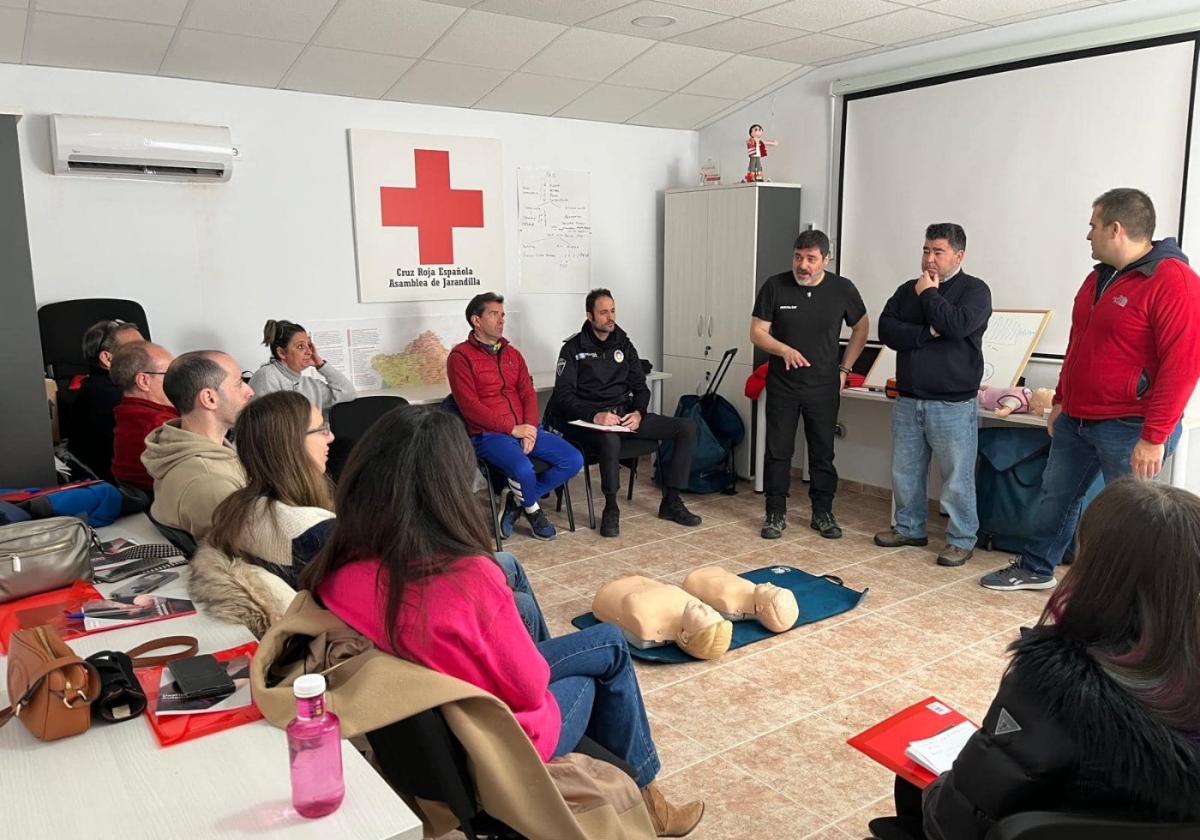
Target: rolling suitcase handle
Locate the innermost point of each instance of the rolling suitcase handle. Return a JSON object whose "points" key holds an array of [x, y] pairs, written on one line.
{"points": [[722, 369]]}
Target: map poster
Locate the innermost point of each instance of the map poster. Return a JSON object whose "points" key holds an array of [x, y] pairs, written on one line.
{"points": [[395, 352], [555, 230], [428, 216]]}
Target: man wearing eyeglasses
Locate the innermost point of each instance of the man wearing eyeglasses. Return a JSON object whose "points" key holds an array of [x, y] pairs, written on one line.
{"points": [[138, 370], [89, 425]]}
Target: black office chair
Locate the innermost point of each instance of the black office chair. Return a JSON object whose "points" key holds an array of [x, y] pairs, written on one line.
{"points": [[177, 537], [349, 421], [62, 325], [632, 450], [420, 757], [1056, 825]]}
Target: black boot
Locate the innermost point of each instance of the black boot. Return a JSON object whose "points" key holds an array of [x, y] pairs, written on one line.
{"points": [[610, 522], [673, 509]]}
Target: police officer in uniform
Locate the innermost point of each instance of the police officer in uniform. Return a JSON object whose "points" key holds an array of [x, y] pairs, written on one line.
{"points": [[600, 380], [797, 318]]}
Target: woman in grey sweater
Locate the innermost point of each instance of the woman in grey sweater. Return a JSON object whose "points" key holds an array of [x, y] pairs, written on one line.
{"points": [[292, 351]]}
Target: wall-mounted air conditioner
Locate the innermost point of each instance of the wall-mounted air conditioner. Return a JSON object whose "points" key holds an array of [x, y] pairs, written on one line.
{"points": [[156, 151]]}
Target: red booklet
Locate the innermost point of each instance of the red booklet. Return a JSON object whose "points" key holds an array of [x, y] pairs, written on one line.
{"points": [[887, 741]]}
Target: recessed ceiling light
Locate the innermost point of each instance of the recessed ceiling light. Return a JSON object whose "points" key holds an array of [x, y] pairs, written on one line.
{"points": [[654, 21]]}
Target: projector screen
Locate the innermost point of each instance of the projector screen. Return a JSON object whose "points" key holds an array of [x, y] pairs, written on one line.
{"points": [[1016, 156]]}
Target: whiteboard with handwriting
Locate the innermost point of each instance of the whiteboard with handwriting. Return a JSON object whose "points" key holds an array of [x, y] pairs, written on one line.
{"points": [[1012, 336]]}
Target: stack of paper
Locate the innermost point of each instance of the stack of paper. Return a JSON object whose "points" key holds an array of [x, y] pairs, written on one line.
{"points": [[937, 754]]}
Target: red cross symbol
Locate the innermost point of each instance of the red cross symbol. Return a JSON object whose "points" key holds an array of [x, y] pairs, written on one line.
{"points": [[432, 207]]}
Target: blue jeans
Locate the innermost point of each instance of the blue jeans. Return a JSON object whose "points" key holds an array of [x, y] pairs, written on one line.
{"points": [[949, 431], [522, 589], [592, 678], [504, 453], [1078, 451]]}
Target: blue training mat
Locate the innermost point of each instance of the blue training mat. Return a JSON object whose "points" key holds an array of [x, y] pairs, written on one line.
{"points": [[818, 597]]}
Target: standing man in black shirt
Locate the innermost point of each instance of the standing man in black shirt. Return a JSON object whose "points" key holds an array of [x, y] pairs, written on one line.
{"points": [[599, 379], [936, 324], [797, 318]]}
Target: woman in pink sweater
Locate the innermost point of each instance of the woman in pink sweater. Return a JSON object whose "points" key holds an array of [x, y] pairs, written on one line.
{"points": [[409, 567]]}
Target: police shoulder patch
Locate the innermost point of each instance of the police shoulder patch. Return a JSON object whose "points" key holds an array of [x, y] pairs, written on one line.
{"points": [[562, 365]]}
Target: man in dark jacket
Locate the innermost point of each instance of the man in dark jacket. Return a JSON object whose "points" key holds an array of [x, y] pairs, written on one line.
{"points": [[1131, 366], [936, 324], [493, 391], [90, 430], [600, 380]]}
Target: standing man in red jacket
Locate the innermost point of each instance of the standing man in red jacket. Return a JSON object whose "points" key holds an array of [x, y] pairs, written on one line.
{"points": [[1131, 366], [494, 392]]}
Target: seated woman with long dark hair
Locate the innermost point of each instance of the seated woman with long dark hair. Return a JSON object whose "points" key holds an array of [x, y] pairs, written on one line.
{"points": [[264, 534], [1099, 710], [409, 567]]}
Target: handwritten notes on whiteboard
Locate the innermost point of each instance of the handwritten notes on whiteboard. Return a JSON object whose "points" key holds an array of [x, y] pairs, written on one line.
{"points": [[1011, 338], [555, 230]]}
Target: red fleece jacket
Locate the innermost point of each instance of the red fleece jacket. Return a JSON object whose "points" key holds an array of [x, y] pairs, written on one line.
{"points": [[1145, 328], [134, 418], [493, 388]]}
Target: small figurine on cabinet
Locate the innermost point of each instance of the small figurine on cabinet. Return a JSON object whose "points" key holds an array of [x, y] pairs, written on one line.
{"points": [[756, 149]]}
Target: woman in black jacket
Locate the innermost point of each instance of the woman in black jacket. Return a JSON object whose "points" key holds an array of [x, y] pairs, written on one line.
{"points": [[1099, 710]]}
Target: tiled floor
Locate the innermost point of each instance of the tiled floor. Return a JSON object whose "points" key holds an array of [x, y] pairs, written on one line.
{"points": [[760, 733]]}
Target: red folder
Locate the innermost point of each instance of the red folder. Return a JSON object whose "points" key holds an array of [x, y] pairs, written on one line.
{"points": [[47, 608], [886, 741]]}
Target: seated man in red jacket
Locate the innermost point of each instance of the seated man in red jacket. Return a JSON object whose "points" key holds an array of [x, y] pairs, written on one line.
{"points": [[1131, 366], [494, 392], [138, 370]]}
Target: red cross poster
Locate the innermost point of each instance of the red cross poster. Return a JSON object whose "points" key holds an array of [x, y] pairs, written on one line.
{"points": [[428, 216]]}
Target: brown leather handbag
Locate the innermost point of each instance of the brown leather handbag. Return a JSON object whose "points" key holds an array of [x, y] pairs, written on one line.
{"points": [[50, 687]]}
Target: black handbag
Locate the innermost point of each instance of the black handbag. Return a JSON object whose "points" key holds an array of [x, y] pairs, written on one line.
{"points": [[121, 696]]}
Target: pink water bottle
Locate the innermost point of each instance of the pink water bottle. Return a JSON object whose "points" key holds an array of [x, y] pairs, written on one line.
{"points": [[315, 751]]}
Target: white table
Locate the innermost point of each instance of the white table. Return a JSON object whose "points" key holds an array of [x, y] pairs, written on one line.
{"points": [[115, 781], [1177, 475], [542, 381]]}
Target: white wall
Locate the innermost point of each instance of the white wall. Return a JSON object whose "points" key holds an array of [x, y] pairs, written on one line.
{"points": [[799, 116], [210, 263]]}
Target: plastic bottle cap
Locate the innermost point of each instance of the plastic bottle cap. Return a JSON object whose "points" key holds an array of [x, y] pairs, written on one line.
{"points": [[309, 685]]}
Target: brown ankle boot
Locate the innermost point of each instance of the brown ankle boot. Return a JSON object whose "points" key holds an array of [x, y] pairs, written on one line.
{"points": [[670, 820]]}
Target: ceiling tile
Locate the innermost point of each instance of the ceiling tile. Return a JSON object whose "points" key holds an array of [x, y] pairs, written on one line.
{"points": [[610, 103], [525, 93], [91, 44], [501, 42], [819, 15], [555, 11], [724, 112], [686, 20], [395, 27], [739, 77], [439, 83], [737, 35], [239, 59], [142, 11], [812, 49], [346, 73], [1068, 7], [680, 110], [465, 4], [985, 11], [897, 27], [725, 7], [667, 67], [12, 34], [587, 54], [778, 83], [15, 4], [282, 20]]}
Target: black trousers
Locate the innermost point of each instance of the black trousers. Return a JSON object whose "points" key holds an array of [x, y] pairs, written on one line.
{"points": [[786, 405], [607, 448], [908, 822]]}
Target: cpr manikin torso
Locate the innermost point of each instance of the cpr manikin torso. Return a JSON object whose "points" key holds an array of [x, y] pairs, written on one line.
{"points": [[738, 599], [650, 612]]}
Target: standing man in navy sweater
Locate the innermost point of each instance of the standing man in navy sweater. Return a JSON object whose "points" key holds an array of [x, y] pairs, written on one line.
{"points": [[936, 324], [1131, 366]]}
